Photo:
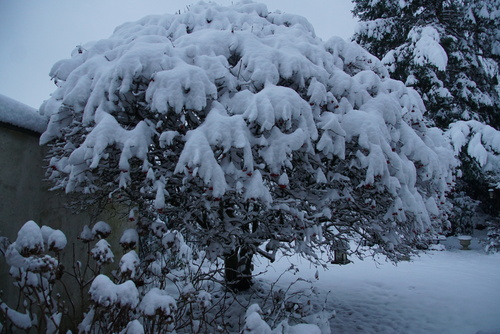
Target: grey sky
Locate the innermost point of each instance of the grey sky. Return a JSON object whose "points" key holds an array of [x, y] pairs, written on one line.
{"points": [[36, 34]]}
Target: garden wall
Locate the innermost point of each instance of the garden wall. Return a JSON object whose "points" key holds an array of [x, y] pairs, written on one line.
{"points": [[24, 195]]}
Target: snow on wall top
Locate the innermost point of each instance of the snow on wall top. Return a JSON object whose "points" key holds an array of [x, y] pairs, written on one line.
{"points": [[18, 114]]}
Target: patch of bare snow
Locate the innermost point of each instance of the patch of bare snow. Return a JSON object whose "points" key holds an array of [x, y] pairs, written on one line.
{"points": [[452, 291]]}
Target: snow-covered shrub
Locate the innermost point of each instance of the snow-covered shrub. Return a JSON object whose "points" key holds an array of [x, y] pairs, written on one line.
{"points": [[288, 312], [102, 253], [254, 323], [35, 273], [463, 213], [51, 293], [173, 289], [478, 146], [239, 127], [47, 289], [160, 307], [129, 239], [101, 230], [493, 237], [117, 302]]}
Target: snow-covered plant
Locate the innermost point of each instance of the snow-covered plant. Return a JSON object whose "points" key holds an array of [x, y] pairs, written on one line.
{"points": [[239, 127], [254, 323], [50, 292], [463, 213], [289, 309], [172, 290], [481, 144], [35, 273], [447, 50], [478, 146], [493, 237]]}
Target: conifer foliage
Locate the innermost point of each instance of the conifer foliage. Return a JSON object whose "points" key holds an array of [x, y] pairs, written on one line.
{"points": [[247, 133], [447, 50]]}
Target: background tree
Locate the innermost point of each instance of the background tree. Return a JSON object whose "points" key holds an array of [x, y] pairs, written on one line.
{"points": [[247, 133], [449, 52]]}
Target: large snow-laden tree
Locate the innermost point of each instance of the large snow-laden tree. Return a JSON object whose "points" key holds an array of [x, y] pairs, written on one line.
{"points": [[242, 129], [447, 50]]}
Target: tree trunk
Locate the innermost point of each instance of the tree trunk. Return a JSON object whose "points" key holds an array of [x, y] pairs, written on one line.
{"points": [[238, 269]]}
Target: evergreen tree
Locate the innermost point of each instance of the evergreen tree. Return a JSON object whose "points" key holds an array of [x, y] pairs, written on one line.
{"points": [[241, 128], [449, 52]]}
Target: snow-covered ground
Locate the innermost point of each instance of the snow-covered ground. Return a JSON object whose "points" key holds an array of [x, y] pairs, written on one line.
{"points": [[452, 291]]}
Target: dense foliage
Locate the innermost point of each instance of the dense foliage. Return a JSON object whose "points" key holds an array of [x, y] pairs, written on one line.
{"points": [[449, 52], [249, 134]]}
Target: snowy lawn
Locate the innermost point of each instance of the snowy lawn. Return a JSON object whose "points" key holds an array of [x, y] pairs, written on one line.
{"points": [[452, 291]]}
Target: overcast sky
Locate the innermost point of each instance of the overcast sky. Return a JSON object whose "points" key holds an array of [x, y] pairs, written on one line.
{"points": [[34, 34]]}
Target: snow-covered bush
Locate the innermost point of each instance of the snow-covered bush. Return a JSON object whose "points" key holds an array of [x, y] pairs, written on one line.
{"points": [[463, 213], [151, 295], [493, 237], [51, 294], [481, 144], [133, 298], [254, 323], [478, 147], [35, 273], [239, 128]]}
